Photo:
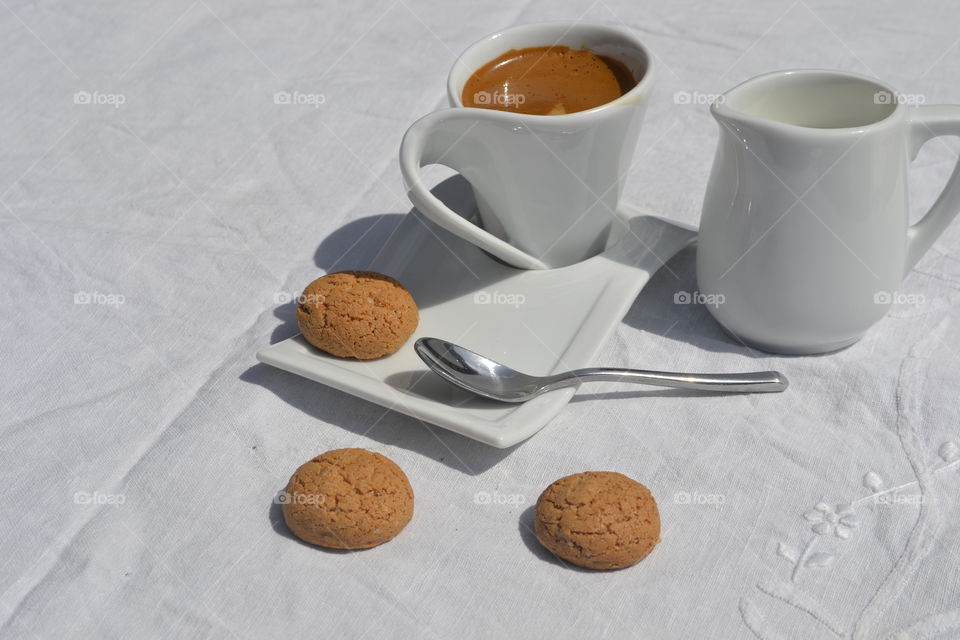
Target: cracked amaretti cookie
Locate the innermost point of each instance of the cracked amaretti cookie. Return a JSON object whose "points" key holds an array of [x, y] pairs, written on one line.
{"points": [[348, 499], [357, 314], [598, 520]]}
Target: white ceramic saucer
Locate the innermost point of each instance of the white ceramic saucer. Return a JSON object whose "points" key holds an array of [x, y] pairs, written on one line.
{"points": [[538, 322]]}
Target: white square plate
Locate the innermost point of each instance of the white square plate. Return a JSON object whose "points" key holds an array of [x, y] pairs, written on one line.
{"points": [[539, 322]]}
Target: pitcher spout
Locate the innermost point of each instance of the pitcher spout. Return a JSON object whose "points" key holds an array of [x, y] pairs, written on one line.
{"points": [[748, 129]]}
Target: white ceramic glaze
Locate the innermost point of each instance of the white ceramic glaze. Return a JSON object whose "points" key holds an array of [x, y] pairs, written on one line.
{"points": [[540, 321], [547, 187], [804, 233]]}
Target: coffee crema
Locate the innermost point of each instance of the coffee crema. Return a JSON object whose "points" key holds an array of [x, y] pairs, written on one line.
{"points": [[547, 81]]}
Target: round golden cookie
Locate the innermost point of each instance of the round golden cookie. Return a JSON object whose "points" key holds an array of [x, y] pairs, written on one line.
{"points": [[348, 499], [357, 314], [598, 520]]}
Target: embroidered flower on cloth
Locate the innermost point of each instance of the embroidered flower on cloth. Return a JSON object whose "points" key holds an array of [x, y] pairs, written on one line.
{"points": [[838, 520]]}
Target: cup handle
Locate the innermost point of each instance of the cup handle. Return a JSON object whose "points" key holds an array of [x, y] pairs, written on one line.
{"points": [[929, 122], [430, 140]]}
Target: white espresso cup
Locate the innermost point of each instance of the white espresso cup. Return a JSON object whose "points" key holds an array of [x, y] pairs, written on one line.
{"points": [[546, 186], [805, 238]]}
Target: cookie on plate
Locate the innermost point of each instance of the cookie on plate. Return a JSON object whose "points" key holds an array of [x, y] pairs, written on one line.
{"points": [[598, 520], [357, 314], [348, 499]]}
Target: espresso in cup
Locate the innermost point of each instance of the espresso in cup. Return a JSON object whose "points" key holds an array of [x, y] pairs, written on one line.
{"points": [[547, 81], [547, 188]]}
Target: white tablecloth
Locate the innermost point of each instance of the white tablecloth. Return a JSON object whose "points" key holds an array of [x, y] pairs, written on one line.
{"points": [[159, 206]]}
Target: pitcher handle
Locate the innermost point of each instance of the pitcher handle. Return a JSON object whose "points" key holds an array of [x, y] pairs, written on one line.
{"points": [[929, 122], [428, 141]]}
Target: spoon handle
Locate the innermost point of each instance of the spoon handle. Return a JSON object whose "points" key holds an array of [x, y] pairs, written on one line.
{"points": [[755, 382]]}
